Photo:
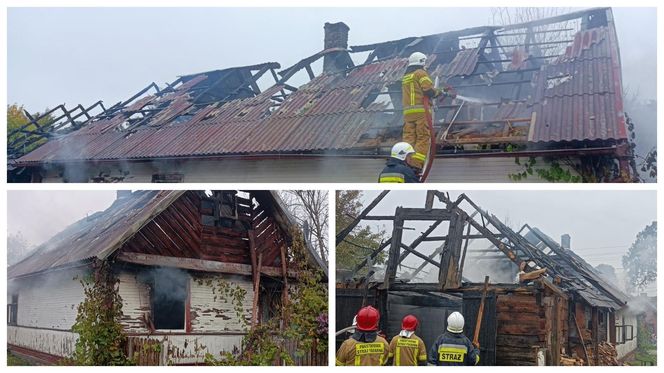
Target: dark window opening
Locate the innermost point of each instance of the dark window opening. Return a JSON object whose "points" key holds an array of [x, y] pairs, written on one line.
{"points": [[220, 209], [168, 178], [168, 299], [12, 311]]}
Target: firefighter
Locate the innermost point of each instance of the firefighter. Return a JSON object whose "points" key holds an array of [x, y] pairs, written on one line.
{"points": [[365, 347], [452, 347], [397, 169], [416, 85], [407, 348]]}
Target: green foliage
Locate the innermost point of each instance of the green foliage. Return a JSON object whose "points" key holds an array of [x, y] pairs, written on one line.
{"points": [[16, 118], [300, 320], [228, 292], [101, 337], [552, 172], [362, 241], [640, 261]]}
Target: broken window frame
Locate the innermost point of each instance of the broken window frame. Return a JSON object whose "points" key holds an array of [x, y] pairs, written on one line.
{"points": [[12, 311], [154, 310], [622, 331]]}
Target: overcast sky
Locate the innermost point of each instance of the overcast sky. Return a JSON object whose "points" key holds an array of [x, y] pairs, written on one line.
{"points": [[39, 215], [602, 224], [81, 55]]}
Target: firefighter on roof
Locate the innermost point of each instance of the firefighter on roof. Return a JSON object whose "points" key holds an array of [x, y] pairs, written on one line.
{"points": [[416, 86], [407, 348], [365, 347], [397, 169], [452, 347]]}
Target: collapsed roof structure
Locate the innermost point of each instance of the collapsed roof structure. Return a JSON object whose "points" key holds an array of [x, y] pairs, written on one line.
{"points": [[559, 309], [546, 88]]}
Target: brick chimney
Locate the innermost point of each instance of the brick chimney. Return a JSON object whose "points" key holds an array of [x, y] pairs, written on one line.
{"points": [[336, 36], [566, 241]]}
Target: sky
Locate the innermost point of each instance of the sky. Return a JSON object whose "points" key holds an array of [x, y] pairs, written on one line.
{"points": [[81, 55], [39, 215], [602, 224]]}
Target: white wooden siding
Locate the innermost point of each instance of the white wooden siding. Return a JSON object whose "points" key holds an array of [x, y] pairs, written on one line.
{"points": [[135, 302], [50, 300], [54, 342], [191, 349], [210, 312]]}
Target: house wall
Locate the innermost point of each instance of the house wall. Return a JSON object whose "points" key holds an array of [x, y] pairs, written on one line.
{"points": [[214, 312], [330, 170], [48, 301], [521, 325], [624, 317], [210, 311], [47, 308], [214, 323]]}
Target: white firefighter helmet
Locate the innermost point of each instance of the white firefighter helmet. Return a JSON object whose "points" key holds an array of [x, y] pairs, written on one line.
{"points": [[455, 323], [401, 149], [417, 59]]}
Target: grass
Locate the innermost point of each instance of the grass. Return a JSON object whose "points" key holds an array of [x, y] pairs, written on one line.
{"points": [[13, 360]]}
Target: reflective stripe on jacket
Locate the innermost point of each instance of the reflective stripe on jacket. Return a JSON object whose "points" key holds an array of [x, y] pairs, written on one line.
{"points": [[414, 86], [407, 351], [397, 171], [353, 352], [453, 349]]}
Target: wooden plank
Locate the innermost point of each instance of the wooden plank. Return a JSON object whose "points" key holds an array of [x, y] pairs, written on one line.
{"points": [[257, 291], [198, 264]]}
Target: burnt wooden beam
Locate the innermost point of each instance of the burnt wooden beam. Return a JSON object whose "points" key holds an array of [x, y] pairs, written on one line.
{"points": [[371, 256], [395, 247], [449, 263], [423, 214], [465, 237], [257, 291], [420, 239], [419, 255], [344, 232], [199, 264], [463, 255]]}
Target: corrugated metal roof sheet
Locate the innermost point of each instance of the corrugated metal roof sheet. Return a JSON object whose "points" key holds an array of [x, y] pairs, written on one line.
{"points": [[97, 235], [577, 97]]}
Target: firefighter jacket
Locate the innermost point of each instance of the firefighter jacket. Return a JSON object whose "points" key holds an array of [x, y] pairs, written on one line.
{"points": [[363, 349], [397, 171], [408, 351], [415, 85], [453, 349]]}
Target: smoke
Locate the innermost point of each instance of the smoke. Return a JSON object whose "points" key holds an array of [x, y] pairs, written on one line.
{"points": [[167, 284]]}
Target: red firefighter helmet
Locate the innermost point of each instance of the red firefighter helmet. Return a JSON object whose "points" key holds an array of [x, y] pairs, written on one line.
{"points": [[409, 323], [367, 319]]}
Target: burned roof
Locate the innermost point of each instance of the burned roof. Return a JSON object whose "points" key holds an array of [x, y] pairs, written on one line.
{"points": [[97, 235], [595, 289], [551, 83], [103, 233]]}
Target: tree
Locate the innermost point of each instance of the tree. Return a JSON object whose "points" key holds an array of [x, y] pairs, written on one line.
{"points": [[310, 208], [640, 262], [362, 240], [17, 247], [16, 118]]}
